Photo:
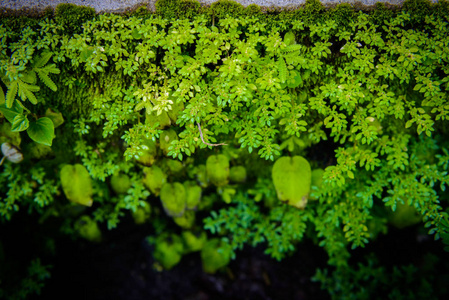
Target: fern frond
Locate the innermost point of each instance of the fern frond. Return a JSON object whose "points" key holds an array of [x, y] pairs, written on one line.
{"points": [[292, 48], [26, 91], [11, 94], [42, 60], [29, 77], [2, 96], [51, 69], [282, 67], [47, 80], [31, 96]]}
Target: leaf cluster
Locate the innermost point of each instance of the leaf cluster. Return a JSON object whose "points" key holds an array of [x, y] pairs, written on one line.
{"points": [[156, 98]]}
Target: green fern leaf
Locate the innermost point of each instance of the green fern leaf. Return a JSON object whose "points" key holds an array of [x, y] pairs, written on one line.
{"points": [[29, 77], [26, 91], [47, 80], [51, 69], [282, 67], [42, 60], [2, 96], [292, 48], [31, 96], [11, 94], [30, 87]]}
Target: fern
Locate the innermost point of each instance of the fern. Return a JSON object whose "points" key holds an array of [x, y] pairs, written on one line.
{"points": [[29, 77], [43, 71], [43, 75], [282, 67], [292, 48], [2, 96], [42, 60], [11, 94], [25, 85], [26, 91]]}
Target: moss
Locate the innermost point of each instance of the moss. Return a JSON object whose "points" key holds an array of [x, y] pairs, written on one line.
{"points": [[16, 20], [418, 9], [74, 102], [343, 14], [380, 14], [253, 10], [167, 8], [313, 11], [188, 9], [8, 136], [140, 12], [17, 23], [71, 16], [222, 8], [417, 6]]}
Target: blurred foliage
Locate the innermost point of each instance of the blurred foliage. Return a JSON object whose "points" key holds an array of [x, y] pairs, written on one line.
{"points": [[177, 119]]}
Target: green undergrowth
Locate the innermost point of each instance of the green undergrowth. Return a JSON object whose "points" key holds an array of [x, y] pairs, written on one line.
{"points": [[225, 126]]}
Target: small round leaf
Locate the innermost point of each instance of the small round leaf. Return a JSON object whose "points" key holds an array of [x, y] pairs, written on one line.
{"points": [[42, 131]]}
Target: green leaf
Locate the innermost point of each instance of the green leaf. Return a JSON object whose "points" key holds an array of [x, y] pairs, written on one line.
{"points": [[29, 77], [135, 33], [350, 174], [42, 131], [47, 80], [86, 53], [76, 184], [26, 91], [42, 60], [20, 123], [292, 178], [173, 198], [297, 80], [292, 48], [217, 167], [30, 96], [282, 69], [11, 112], [56, 117], [11, 94], [289, 38], [2, 96]]}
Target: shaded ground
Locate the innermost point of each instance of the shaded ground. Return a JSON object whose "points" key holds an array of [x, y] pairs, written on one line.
{"points": [[122, 268]]}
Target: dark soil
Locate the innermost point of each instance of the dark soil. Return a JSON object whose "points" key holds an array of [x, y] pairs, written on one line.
{"points": [[122, 266]]}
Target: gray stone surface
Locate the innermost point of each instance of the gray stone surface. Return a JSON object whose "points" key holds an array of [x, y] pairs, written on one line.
{"points": [[121, 5]]}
